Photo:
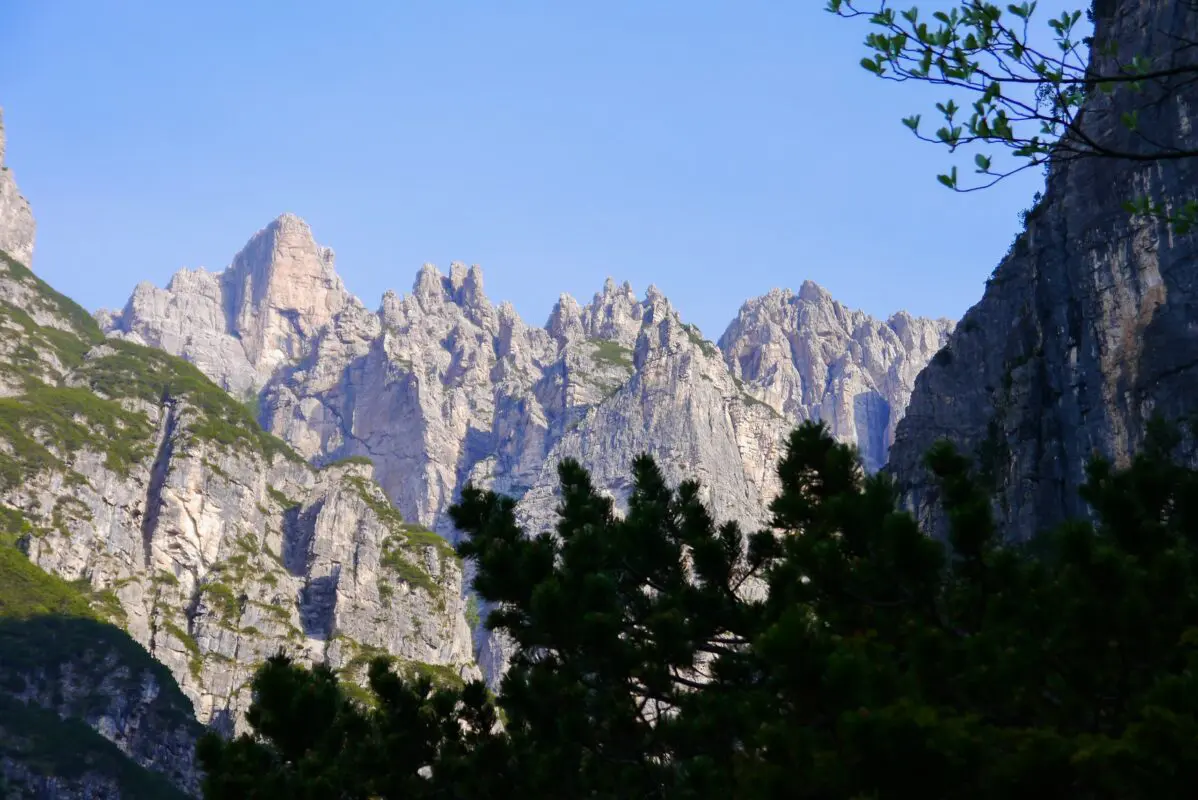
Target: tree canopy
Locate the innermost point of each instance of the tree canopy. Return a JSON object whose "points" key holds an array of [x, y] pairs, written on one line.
{"points": [[840, 653]]}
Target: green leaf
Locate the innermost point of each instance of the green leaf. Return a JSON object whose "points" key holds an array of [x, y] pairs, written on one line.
{"points": [[871, 65], [949, 180]]}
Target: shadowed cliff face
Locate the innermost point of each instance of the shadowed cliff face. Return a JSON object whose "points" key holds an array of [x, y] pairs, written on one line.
{"points": [[85, 712], [1089, 324]]}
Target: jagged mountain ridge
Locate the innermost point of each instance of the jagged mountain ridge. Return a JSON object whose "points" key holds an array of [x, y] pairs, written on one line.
{"points": [[194, 537], [808, 356], [441, 386], [212, 543]]}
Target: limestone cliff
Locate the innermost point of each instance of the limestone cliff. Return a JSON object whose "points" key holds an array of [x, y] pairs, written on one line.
{"points": [[209, 541], [808, 357], [240, 325], [440, 386], [16, 218], [1087, 326]]}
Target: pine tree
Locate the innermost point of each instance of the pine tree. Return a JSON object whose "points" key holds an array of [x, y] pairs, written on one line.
{"points": [[838, 654]]}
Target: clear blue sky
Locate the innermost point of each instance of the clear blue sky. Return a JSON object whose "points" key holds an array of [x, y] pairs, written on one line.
{"points": [[717, 149]]}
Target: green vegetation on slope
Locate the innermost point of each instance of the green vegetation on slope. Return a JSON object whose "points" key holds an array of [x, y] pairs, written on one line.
{"points": [[353, 673], [693, 333], [612, 353], [46, 420], [27, 591], [404, 547], [348, 461], [66, 346], [61, 413], [282, 499], [58, 304], [134, 371]]}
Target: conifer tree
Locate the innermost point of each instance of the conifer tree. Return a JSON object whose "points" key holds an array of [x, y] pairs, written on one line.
{"points": [[838, 654]]}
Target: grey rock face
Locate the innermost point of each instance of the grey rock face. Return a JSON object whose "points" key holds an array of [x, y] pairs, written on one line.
{"points": [[78, 695], [682, 406], [211, 543], [16, 219], [219, 559], [1087, 326], [808, 357], [440, 387], [240, 325]]}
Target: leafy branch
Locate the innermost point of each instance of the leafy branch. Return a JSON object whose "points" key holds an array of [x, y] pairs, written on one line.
{"points": [[1041, 105]]}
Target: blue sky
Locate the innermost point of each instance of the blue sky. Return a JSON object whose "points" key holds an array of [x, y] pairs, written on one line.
{"points": [[716, 149]]}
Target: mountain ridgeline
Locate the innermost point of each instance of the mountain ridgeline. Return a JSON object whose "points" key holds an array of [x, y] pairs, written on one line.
{"points": [[252, 461], [441, 387], [156, 545]]}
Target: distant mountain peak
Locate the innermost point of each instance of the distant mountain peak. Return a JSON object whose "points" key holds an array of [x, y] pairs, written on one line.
{"points": [[17, 228], [810, 357]]}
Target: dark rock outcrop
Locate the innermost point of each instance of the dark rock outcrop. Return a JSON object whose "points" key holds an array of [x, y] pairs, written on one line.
{"points": [[1089, 325]]}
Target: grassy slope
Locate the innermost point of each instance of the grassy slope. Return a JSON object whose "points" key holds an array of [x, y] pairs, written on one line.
{"points": [[77, 404]]}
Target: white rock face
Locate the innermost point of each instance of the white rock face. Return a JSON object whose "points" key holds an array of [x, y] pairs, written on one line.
{"points": [[440, 387], [809, 357], [211, 543], [240, 325], [17, 228]]}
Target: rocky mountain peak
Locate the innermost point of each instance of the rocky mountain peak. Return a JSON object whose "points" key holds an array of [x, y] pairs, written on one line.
{"points": [[565, 320], [466, 282], [284, 287], [17, 229], [279, 292], [241, 324], [428, 288], [812, 292], [466, 290], [809, 357], [460, 294], [615, 314]]}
